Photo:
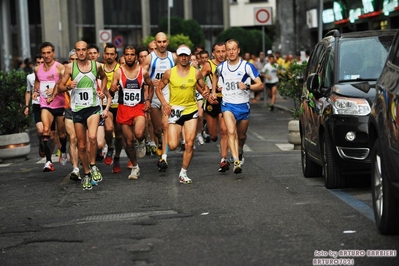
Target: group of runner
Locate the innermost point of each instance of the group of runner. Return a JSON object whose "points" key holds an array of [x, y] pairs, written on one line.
{"points": [[117, 102]]}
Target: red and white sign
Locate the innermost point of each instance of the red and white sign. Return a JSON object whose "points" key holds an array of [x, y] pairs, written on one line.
{"points": [[105, 36], [263, 16]]}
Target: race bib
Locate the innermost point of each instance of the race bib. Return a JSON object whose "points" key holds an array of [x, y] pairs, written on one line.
{"points": [[131, 97], [44, 86], [230, 87], [175, 114], [83, 97]]}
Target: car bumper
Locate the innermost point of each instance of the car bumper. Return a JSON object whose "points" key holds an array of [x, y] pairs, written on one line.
{"points": [[355, 151]]}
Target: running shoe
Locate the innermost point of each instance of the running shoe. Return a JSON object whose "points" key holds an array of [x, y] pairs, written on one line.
{"points": [[135, 173], [140, 149], [153, 149], [271, 108], [42, 154], [48, 167], [75, 175], [116, 168], [162, 165], [200, 139], [183, 179], [129, 165], [224, 166], [148, 149], [95, 173], [63, 159], [241, 158], [108, 158], [86, 183], [237, 167]]}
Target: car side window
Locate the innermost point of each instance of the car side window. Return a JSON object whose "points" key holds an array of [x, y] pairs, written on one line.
{"points": [[329, 69], [314, 59]]}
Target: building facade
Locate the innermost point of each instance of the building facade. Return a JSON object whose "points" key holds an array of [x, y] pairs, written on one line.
{"points": [[27, 23]]}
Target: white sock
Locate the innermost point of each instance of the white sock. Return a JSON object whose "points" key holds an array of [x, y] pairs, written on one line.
{"points": [[183, 171]]}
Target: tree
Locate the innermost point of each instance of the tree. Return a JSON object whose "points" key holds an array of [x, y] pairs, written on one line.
{"points": [[189, 28], [250, 40]]}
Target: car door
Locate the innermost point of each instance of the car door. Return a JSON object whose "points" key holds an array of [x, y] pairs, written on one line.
{"points": [[311, 104]]}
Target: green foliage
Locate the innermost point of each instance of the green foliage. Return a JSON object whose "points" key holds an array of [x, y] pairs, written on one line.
{"points": [[250, 40], [12, 102], [189, 28], [178, 39], [193, 30], [174, 41], [290, 84]]}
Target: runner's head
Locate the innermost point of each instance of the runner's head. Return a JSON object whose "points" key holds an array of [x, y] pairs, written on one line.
{"points": [[162, 42], [219, 51], [129, 53], [110, 55], [183, 52], [81, 50]]}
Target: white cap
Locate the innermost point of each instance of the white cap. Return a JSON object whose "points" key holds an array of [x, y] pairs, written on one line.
{"points": [[269, 52], [183, 50]]}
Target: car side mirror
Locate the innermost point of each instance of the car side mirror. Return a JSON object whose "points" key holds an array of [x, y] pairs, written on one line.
{"points": [[312, 82]]}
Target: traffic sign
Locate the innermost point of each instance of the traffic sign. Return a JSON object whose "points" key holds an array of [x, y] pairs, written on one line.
{"points": [[118, 41], [263, 16], [105, 36]]}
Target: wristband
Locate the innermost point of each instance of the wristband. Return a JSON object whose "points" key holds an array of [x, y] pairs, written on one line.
{"points": [[148, 100], [26, 106], [248, 87]]}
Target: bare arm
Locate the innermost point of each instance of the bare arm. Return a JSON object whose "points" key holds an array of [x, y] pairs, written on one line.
{"points": [[104, 89], [163, 82], [148, 89]]}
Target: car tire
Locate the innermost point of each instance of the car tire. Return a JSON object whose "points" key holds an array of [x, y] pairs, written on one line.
{"points": [[386, 207], [309, 167], [332, 175]]}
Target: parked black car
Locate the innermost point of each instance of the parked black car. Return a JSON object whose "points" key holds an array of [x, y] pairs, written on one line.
{"points": [[384, 140], [339, 88]]}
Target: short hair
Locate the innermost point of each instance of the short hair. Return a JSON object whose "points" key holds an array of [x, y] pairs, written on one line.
{"points": [[204, 52], [128, 47], [217, 44], [71, 53], [38, 56], [46, 44], [93, 46], [110, 45], [233, 40]]}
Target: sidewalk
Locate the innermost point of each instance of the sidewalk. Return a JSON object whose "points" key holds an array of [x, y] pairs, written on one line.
{"points": [[281, 103]]}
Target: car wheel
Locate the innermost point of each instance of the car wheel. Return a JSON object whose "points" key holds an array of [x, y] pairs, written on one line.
{"points": [[332, 175], [386, 207], [309, 167]]}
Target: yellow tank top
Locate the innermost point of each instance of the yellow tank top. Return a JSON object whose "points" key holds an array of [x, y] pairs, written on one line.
{"points": [[110, 75], [182, 90]]}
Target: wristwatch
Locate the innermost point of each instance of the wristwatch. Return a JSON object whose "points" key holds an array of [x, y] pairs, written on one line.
{"points": [[148, 99], [248, 87]]}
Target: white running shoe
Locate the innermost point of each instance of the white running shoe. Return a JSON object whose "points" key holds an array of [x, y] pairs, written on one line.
{"points": [[48, 167], [200, 139], [183, 179], [63, 159], [135, 173], [75, 175], [140, 149]]}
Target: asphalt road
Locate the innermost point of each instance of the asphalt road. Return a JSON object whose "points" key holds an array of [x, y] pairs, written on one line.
{"points": [[268, 215]]}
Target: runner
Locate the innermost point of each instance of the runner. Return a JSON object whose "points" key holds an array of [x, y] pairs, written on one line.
{"points": [[233, 77], [86, 107], [156, 64], [128, 80], [182, 109], [52, 102]]}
